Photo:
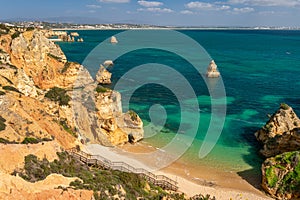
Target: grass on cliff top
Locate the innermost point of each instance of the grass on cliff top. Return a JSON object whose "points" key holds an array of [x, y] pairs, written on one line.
{"points": [[94, 179], [288, 165], [58, 95]]}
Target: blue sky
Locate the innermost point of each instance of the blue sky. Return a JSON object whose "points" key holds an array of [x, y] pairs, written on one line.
{"points": [[160, 12]]}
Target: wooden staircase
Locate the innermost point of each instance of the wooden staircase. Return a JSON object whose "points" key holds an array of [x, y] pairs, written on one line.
{"points": [[97, 160]]}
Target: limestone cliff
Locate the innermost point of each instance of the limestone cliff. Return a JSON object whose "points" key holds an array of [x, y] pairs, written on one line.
{"points": [[100, 119], [40, 94], [44, 61], [31, 66], [281, 133]]}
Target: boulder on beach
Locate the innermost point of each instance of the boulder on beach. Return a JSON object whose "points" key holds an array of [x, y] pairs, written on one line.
{"points": [[212, 71], [113, 40]]}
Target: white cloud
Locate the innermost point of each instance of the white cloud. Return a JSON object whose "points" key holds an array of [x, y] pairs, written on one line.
{"points": [[93, 6], [114, 1], [187, 12], [157, 10], [286, 3], [150, 3], [199, 5], [206, 6], [243, 10]]}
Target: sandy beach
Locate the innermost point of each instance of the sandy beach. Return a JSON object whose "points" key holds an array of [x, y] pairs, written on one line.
{"points": [[191, 180]]}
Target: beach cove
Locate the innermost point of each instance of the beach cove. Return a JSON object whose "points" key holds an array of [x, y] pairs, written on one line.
{"points": [[259, 72]]}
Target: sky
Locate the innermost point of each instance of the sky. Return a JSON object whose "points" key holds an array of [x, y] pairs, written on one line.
{"points": [[160, 12]]}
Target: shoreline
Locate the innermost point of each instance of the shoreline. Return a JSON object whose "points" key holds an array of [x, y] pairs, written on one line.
{"points": [[191, 180]]}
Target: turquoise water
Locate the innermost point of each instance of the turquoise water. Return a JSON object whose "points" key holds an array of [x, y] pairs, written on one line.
{"points": [[260, 69]]}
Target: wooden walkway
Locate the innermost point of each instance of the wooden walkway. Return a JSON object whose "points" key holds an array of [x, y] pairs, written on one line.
{"points": [[96, 160]]}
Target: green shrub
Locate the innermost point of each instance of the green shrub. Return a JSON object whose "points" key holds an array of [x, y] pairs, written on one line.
{"points": [[7, 80], [54, 57], [133, 115], [58, 95], [2, 93], [3, 27], [5, 141], [30, 140], [64, 124], [284, 106], [11, 88], [101, 89], [95, 179], [15, 35], [2, 123], [30, 29], [66, 67]]}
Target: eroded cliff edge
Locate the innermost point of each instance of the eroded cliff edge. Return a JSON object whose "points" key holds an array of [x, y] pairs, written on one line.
{"points": [[44, 96]]}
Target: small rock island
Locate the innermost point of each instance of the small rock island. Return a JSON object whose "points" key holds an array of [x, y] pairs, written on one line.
{"points": [[212, 71]]}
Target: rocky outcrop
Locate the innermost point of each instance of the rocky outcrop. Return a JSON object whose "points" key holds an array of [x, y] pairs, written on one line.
{"points": [[131, 124], [4, 57], [113, 40], [41, 65], [100, 119], [26, 85], [14, 188], [45, 63], [108, 63], [281, 133], [281, 176], [103, 76], [212, 71], [26, 117]]}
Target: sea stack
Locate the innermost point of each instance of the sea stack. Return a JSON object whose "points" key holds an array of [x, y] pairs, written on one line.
{"points": [[113, 40], [212, 71], [103, 76], [108, 63]]}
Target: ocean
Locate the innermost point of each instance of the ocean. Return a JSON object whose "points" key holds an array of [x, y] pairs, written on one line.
{"points": [[260, 69]]}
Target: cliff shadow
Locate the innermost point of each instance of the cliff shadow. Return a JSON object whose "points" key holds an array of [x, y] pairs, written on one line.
{"points": [[253, 176]]}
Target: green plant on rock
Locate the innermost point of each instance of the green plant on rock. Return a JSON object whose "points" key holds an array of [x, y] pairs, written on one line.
{"points": [[15, 35], [2, 123], [30, 140], [11, 88], [54, 57], [66, 67], [101, 89], [284, 106], [58, 95], [2, 93], [133, 115], [64, 124], [271, 176]]}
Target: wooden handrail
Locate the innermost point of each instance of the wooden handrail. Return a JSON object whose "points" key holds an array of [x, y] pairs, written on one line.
{"points": [[159, 180]]}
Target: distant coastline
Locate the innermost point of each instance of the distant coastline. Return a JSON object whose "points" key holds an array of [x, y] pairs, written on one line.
{"points": [[73, 26]]}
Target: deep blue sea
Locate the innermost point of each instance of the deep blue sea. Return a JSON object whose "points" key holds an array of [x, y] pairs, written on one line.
{"points": [[260, 69]]}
